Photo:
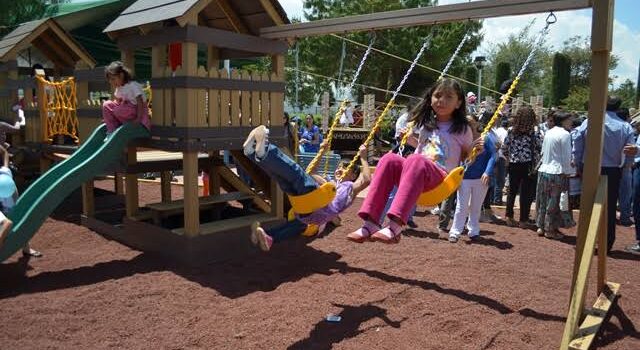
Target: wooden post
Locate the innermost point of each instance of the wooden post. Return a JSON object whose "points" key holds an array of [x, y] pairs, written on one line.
{"points": [[187, 99], [601, 33], [88, 199], [131, 184], [128, 59], [165, 186], [191, 202], [325, 110], [215, 181], [118, 180], [158, 67], [602, 242]]}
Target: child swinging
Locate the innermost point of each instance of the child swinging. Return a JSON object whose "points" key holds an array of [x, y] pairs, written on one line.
{"points": [[445, 139], [295, 181]]}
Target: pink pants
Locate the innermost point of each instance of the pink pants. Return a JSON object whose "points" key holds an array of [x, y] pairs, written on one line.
{"points": [[413, 176], [115, 114]]}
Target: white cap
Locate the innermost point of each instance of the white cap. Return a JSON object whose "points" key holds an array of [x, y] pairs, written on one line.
{"points": [[470, 93]]}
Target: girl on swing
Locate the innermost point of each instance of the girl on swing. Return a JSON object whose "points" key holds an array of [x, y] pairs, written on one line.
{"points": [[445, 139], [295, 181]]}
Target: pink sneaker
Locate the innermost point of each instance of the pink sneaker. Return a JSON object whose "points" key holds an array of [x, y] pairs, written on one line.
{"points": [[363, 233], [387, 235], [260, 238]]}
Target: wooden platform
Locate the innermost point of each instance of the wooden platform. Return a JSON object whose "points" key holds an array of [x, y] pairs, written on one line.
{"points": [[176, 207]]}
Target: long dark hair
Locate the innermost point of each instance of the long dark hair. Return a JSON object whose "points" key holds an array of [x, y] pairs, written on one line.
{"points": [[117, 67], [422, 114], [525, 121]]}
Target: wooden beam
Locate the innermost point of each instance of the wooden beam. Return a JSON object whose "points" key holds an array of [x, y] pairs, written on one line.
{"points": [[272, 12], [88, 199], [595, 318], [231, 15], [191, 203], [227, 175], [422, 16], [203, 35], [165, 186], [192, 82], [73, 45], [191, 15], [602, 21], [131, 185], [128, 58], [579, 288]]}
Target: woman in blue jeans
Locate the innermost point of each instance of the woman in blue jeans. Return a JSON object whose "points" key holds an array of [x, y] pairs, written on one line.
{"points": [[293, 180]]}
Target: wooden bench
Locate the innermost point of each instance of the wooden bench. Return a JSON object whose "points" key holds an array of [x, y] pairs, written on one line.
{"points": [[230, 224], [162, 210]]}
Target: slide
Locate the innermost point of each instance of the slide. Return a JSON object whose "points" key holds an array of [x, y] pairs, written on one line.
{"points": [[94, 157]]}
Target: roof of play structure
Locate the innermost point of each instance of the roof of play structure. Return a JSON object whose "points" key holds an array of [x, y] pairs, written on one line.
{"points": [[246, 16], [50, 39]]}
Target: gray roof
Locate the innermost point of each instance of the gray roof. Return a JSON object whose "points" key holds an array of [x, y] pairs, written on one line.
{"points": [[48, 36], [12, 39], [250, 12]]}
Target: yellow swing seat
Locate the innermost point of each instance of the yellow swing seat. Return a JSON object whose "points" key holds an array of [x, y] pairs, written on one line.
{"points": [[445, 189], [311, 230], [314, 200]]}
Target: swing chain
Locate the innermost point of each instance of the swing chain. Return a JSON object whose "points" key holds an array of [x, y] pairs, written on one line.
{"points": [[390, 104], [551, 19]]}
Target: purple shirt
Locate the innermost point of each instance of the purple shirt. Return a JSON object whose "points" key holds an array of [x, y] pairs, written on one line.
{"points": [[447, 146], [340, 203]]}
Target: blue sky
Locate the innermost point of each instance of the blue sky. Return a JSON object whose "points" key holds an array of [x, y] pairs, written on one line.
{"points": [[626, 33]]}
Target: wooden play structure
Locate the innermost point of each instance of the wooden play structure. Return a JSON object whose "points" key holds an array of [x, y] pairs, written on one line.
{"points": [[199, 111]]}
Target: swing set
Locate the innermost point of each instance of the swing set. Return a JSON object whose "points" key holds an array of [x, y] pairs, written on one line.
{"points": [[581, 326]]}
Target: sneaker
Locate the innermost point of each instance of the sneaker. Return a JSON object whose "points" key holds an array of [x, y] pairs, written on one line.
{"points": [[412, 224], [553, 235], [453, 239], [510, 222], [634, 248], [435, 211], [108, 136], [260, 238], [540, 232], [484, 217], [249, 145], [474, 238], [262, 137], [626, 223]]}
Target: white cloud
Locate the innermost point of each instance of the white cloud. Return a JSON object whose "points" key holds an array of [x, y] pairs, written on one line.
{"points": [[570, 24]]}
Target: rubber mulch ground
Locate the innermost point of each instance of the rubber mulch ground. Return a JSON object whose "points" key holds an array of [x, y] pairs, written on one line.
{"points": [[508, 291]]}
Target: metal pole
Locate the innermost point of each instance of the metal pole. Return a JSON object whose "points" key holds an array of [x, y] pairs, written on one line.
{"points": [[479, 99]]}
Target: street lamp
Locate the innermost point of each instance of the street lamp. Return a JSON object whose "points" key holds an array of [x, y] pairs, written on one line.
{"points": [[479, 62]]}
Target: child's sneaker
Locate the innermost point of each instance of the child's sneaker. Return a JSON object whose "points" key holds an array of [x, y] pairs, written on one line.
{"points": [[260, 238], [453, 239], [363, 233], [249, 145], [262, 137], [108, 136]]}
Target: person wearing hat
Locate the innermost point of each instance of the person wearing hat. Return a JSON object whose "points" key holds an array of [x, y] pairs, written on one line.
{"points": [[7, 201], [471, 103], [346, 118]]}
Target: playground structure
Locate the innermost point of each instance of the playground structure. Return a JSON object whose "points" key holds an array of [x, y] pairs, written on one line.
{"points": [[227, 117]]}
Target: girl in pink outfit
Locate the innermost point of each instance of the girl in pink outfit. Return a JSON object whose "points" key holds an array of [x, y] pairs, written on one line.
{"points": [[445, 138], [130, 104]]}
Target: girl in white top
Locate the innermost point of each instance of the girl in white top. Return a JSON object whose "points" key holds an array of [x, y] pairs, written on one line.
{"points": [[130, 103], [555, 167]]}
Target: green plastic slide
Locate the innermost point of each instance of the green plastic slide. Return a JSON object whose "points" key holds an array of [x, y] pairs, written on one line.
{"points": [[95, 156]]}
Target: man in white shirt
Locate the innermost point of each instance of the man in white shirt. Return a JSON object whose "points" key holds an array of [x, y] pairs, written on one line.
{"points": [[501, 164]]}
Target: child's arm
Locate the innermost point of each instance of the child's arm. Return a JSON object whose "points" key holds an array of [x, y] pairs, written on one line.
{"points": [[140, 109], [365, 172], [5, 227], [5, 157], [490, 164]]}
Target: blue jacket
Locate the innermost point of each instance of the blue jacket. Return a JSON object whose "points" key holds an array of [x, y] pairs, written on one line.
{"points": [[484, 161]]}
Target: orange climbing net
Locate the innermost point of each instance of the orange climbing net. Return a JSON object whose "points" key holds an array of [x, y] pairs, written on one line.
{"points": [[60, 106]]}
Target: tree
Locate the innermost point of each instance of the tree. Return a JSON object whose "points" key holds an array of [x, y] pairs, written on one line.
{"points": [[471, 74], [560, 78], [17, 12], [627, 92], [320, 55], [637, 100], [578, 50], [503, 73], [578, 98], [514, 51]]}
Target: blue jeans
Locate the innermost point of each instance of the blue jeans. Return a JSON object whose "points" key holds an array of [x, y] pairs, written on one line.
{"points": [[287, 230], [293, 180], [497, 181], [388, 205], [636, 201], [626, 196]]}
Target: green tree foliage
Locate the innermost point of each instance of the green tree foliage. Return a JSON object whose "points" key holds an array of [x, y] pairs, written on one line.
{"points": [[560, 78], [627, 92], [503, 72], [514, 51], [471, 74], [578, 98], [16, 12], [578, 49], [321, 55]]}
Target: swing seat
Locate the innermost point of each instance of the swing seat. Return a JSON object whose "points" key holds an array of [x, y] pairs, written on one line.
{"points": [[441, 192], [311, 230], [314, 200]]}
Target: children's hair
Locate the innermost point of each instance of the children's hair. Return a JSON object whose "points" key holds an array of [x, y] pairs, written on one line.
{"points": [[422, 114], [355, 171], [115, 68], [524, 121]]}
